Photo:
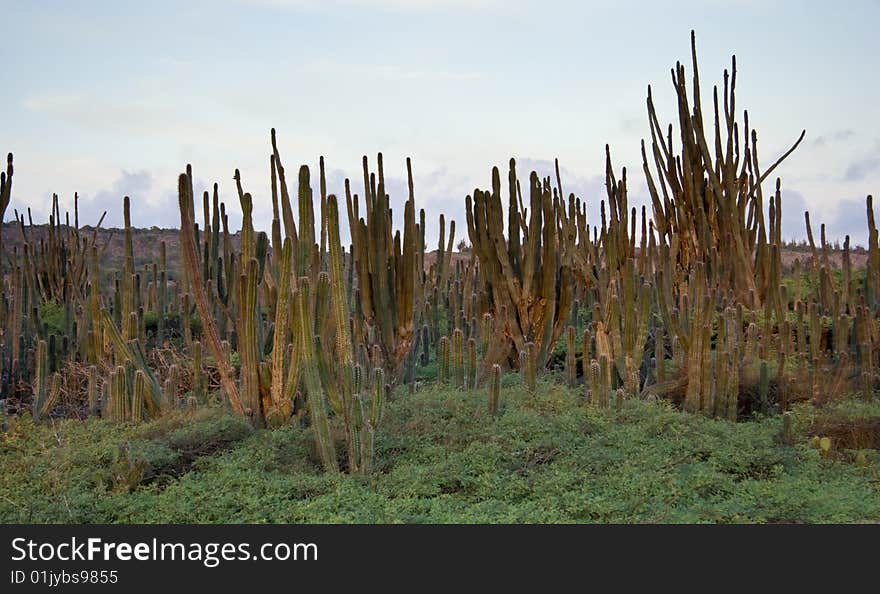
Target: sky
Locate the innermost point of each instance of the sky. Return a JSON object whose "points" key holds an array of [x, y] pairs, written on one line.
{"points": [[114, 98]]}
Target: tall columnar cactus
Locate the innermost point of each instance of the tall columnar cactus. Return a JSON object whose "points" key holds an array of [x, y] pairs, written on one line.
{"points": [[593, 382], [443, 360], [190, 260], [249, 342], [604, 386], [315, 394], [659, 357], [94, 401], [872, 267], [710, 208], [198, 376], [458, 374], [470, 379], [172, 386], [129, 298], [368, 421], [528, 366], [629, 310], [586, 353], [378, 397], [131, 352], [426, 345], [162, 296], [5, 198], [41, 374], [764, 386], [494, 389], [138, 396], [486, 323], [690, 322], [388, 278], [281, 405], [117, 406], [528, 280], [570, 358], [360, 435]]}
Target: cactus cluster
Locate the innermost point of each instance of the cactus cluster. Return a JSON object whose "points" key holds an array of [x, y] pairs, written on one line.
{"points": [[686, 299]]}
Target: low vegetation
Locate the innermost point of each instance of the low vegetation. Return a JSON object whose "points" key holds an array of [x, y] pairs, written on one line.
{"points": [[441, 457]]}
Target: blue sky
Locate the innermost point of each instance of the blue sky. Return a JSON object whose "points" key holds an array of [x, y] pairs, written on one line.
{"points": [[111, 98]]}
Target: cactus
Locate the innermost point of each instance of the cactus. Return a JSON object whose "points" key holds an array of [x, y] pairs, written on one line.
{"points": [[47, 388], [594, 382], [425, 342], [764, 386], [787, 428], [93, 390], [118, 408], [311, 377], [522, 280], [586, 353], [659, 358], [702, 279], [131, 351], [280, 404], [248, 341], [190, 259], [604, 385], [443, 360], [198, 381], [5, 195], [40, 379], [458, 372], [359, 452], [708, 194], [376, 403], [485, 332], [390, 291], [495, 389], [470, 379], [570, 358], [527, 366], [138, 396]]}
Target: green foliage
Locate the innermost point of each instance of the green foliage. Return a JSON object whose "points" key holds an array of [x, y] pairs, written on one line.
{"points": [[52, 316], [441, 458]]}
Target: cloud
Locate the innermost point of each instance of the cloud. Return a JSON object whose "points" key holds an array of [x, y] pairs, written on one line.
{"points": [[91, 111], [834, 136], [588, 188], [147, 210], [848, 219], [865, 166], [862, 168], [437, 191], [793, 207], [632, 125]]}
